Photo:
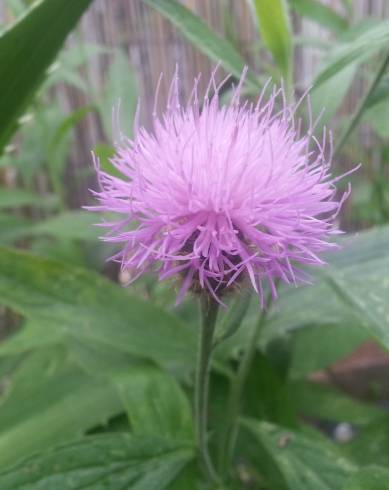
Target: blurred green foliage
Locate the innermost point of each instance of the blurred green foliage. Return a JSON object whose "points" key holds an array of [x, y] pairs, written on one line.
{"points": [[96, 380]]}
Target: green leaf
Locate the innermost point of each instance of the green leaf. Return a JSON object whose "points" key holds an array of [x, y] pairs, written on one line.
{"points": [[75, 252], [355, 118], [81, 53], [103, 361], [323, 15], [366, 299], [188, 479], [367, 44], [114, 462], [58, 146], [87, 306], [317, 348], [273, 21], [203, 37], [35, 136], [380, 94], [371, 444], [156, 405], [121, 86], [68, 124], [69, 60], [76, 225], [320, 307], [265, 396], [351, 292], [372, 478], [48, 401], [154, 401], [323, 402], [33, 334], [69, 225], [330, 94], [301, 462], [12, 227], [14, 198], [26, 51], [104, 153], [377, 117]]}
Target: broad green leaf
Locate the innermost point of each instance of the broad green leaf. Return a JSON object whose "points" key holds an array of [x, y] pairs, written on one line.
{"points": [[114, 462], [317, 348], [14, 198], [76, 252], [330, 94], [361, 268], [48, 401], [32, 334], [301, 462], [377, 118], [316, 11], [371, 444], [371, 478], [76, 225], [68, 225], [7, 365], [87, 306], [12, 227], [358, 49], [323, 402], [121, 87], [319, 306], [28, 48], [189, 479], [156, 405], [203, 37], [363, 291], [103, 361], [274, 28], [265, 396]]}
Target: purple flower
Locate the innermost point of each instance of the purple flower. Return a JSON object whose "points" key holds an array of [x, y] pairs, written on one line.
{"points": [[218, 194]]}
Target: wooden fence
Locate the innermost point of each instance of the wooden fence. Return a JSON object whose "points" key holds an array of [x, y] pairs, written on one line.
{"points": [[153, 46]]}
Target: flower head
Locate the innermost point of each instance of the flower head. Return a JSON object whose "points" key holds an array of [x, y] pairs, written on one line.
{"points": [[216, 194]]}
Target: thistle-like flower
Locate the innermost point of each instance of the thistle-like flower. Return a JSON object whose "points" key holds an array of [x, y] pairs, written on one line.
{"points": [[218, 194]]}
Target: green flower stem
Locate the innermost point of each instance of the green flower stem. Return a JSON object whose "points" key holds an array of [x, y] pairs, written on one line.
{"points": [[362, 105], [209, 311], [237, 387]]}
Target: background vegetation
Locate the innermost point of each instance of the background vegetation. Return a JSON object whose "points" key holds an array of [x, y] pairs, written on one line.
{"points": [[96, 379]]}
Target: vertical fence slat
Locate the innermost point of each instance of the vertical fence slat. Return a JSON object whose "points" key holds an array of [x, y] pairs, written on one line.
{"points": [[153, 46]]}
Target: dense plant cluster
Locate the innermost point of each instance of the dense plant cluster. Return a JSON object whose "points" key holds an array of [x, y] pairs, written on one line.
{"points": [[108, 387]]}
